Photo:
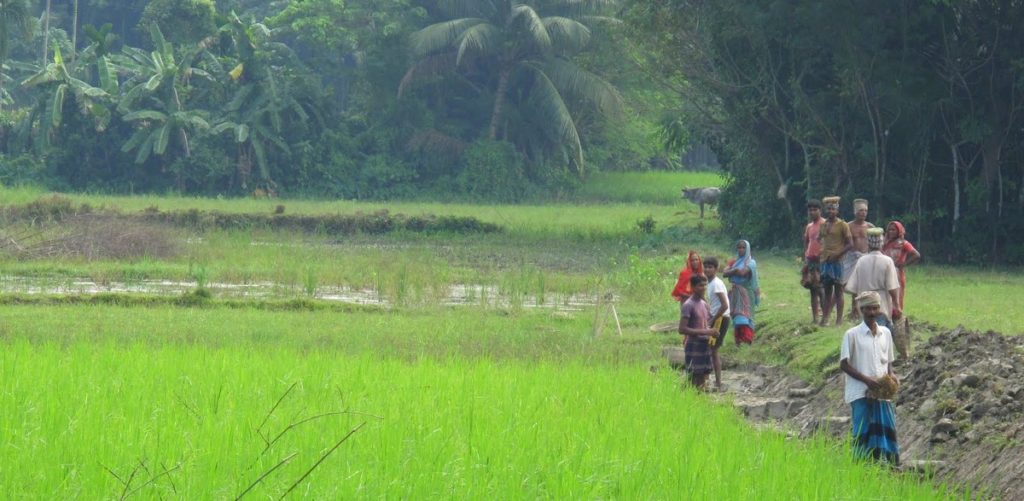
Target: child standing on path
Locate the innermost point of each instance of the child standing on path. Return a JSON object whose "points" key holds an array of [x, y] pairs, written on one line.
{"points": [[718, 299], [694, 325]]}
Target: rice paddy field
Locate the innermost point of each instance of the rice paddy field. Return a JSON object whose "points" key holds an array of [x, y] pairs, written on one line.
{"points": [[257, 363]]}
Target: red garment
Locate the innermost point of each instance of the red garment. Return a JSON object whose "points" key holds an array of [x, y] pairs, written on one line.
{"points": [[899, 249], [682, 287], [743, 334]]}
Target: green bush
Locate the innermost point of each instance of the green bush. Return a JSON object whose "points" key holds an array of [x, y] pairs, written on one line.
{"points": [[25, 170], [492, 171]]}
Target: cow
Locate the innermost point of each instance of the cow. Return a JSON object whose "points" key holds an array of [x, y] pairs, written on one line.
{"points": [[702, 196]]}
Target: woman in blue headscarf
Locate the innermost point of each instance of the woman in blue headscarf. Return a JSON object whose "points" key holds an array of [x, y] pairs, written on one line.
{"points": [[746, 292]]}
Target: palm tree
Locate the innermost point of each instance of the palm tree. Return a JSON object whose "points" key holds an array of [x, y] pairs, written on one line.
{"points": [[519, 49], [14, 17]]}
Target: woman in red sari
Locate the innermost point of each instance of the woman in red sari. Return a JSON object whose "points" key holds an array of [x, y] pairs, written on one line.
{"points": [[693, 266], [902, 253]]}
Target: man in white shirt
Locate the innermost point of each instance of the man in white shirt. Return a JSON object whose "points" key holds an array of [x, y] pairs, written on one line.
{"points": [[718, 302], [866, 357], [875, 271]]}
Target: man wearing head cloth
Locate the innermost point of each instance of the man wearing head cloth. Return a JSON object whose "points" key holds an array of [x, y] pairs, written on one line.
{"points": [[866, 357], [836, 241], [876, 272], [859, 232]]}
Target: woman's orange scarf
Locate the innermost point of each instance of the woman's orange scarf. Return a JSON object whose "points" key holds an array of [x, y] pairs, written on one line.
{"points": [[683, 284]]}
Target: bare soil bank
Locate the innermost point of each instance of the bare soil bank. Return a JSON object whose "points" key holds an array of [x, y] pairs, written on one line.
{"points": [[960, 409]]}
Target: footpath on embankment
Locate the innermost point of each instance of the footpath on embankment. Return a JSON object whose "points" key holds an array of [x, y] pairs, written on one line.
{"points": [[960, 407]]}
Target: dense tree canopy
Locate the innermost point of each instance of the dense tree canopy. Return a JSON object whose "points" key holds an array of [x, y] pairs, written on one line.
{"points": [[352, 98], [914, 105]]}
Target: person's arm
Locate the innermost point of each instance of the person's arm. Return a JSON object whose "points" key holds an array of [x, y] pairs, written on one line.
{"points": [[895, 298], [845, 366], [686, 330], [723, 300], [913, 258]]}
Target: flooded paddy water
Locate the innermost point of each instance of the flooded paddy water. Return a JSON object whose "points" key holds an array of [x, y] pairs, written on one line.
{"points": [[476, 295]]}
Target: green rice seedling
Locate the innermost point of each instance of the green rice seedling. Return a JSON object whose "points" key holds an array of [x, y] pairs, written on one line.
{"points": [[310, 282], [197, 415], [200, 275]]}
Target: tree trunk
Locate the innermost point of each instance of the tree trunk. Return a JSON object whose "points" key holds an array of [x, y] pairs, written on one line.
{"points": [[46, 34], [499, 103], [74, 32], [956, 185]]}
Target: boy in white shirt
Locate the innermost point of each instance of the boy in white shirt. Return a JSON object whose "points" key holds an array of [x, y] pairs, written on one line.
{"points": [[718, 301]]}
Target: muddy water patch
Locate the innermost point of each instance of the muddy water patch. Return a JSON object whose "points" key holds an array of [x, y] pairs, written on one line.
{"points": [[470, 295]]}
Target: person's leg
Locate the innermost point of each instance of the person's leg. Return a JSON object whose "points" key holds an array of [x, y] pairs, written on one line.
{"points": [[716, 361], [827, 300], [814, 305], [854, 314], [839, 302]]}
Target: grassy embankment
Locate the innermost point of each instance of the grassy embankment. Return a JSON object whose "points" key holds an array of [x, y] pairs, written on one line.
{"points": [[465, 400]]}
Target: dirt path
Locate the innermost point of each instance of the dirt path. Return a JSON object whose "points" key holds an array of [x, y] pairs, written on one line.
{"points": [[960, 409]]}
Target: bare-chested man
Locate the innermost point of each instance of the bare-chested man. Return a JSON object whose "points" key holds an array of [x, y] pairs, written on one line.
{"points": [[859, 232], [835, 243]]}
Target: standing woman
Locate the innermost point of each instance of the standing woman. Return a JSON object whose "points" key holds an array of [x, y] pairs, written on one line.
{"points": [[902, 253], [693, 266], [746, 292]]}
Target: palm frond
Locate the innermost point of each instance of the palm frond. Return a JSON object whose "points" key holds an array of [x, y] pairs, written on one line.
{"points": [[554, 114], [144, 149], [579, 83], [145, 115], [533, 25], [440, 36], [57, 108], [568, 35], [107, 74], [428, 68], [136, 140], [163, 137], [583, 7], [479, 39], [602, 20]]}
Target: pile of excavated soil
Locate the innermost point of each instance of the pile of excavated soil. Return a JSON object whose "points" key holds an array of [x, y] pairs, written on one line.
{"points": [[960, 408]]}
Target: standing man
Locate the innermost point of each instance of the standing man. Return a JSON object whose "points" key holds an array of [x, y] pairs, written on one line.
{"points": [[836, 241], [859, 232], [811, 274], [694, 325], [876, 272], [866, 357], [718, 301]]}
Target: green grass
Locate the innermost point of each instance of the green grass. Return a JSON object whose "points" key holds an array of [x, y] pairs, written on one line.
{"points": [[490, 399], [94, 396], [656, 187]]}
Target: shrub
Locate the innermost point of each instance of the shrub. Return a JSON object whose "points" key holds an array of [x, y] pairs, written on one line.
{"points": [[25, 170], [492, 171]]}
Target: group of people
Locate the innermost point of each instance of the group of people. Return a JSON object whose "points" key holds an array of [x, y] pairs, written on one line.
{"points": [[853, 257], [705, 323], [840, 258]]}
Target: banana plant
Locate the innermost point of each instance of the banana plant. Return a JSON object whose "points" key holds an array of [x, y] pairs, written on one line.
{"points": [[262, 102], [156, 85], [60, 82]]}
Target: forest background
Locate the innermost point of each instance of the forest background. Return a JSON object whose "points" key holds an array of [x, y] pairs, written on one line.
{"points": [[912, 104]]}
